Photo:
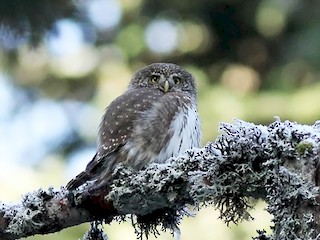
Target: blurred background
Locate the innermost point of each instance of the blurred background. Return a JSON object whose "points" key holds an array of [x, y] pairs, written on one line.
{"points": [[62, 62]]}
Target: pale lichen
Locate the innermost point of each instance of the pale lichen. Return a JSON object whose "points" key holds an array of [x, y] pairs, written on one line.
{"points": [[245, 162]]}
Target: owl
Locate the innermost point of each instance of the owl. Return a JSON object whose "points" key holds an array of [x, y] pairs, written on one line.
{"points": [[155, 119]]}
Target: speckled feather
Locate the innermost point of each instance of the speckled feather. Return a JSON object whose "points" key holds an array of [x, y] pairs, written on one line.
{"points": [[145, 124]]}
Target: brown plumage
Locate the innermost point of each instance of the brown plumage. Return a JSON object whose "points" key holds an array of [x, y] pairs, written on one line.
{"points": [[155, 119]]}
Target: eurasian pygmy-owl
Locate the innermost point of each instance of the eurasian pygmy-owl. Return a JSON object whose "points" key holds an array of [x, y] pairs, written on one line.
{"points": [[155, 119]]}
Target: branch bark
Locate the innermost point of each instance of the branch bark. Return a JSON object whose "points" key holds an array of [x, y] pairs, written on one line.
{"points": [[277, 163]]}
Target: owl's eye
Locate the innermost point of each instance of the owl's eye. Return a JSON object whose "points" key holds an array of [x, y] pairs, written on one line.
{"points": [[154, 78], [176, 80]]}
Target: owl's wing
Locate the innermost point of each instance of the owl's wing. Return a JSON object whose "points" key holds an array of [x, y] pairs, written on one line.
{"points": [[115, 129]]}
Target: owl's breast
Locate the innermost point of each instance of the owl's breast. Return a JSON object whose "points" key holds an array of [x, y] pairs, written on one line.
{"points": [[169, 127], [185, 132]]}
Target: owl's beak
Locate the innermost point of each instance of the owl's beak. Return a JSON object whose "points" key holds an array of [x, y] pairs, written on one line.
{"points": [[165, 83], [166, 86]]}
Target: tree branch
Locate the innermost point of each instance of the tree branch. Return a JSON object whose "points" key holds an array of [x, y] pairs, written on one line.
{"points": [[42, 212], [277, 163]]}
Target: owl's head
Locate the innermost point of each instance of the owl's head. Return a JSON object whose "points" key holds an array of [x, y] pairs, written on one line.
{"points": [[167, 77]]}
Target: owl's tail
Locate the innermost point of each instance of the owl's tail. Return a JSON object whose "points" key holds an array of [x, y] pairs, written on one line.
{"points": [[79, 180], [82, 177]]}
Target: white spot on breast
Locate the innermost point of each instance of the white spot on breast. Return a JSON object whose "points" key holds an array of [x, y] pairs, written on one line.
{"points": [[186, 134]]}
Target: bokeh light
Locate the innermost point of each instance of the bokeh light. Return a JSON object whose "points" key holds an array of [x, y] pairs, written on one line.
{"points": [[33, 133], [7, 96], [67, 39], [33, 64], [76, 64], [194, 37], [270, 21], [241, 79], [104, 14], [161, 36]]}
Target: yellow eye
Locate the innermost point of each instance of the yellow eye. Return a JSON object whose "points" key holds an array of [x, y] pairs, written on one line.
{"points": [[154, 78], [176, 80]]}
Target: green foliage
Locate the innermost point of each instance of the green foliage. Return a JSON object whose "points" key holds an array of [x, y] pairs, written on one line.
{"points": [[32, 17]]}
